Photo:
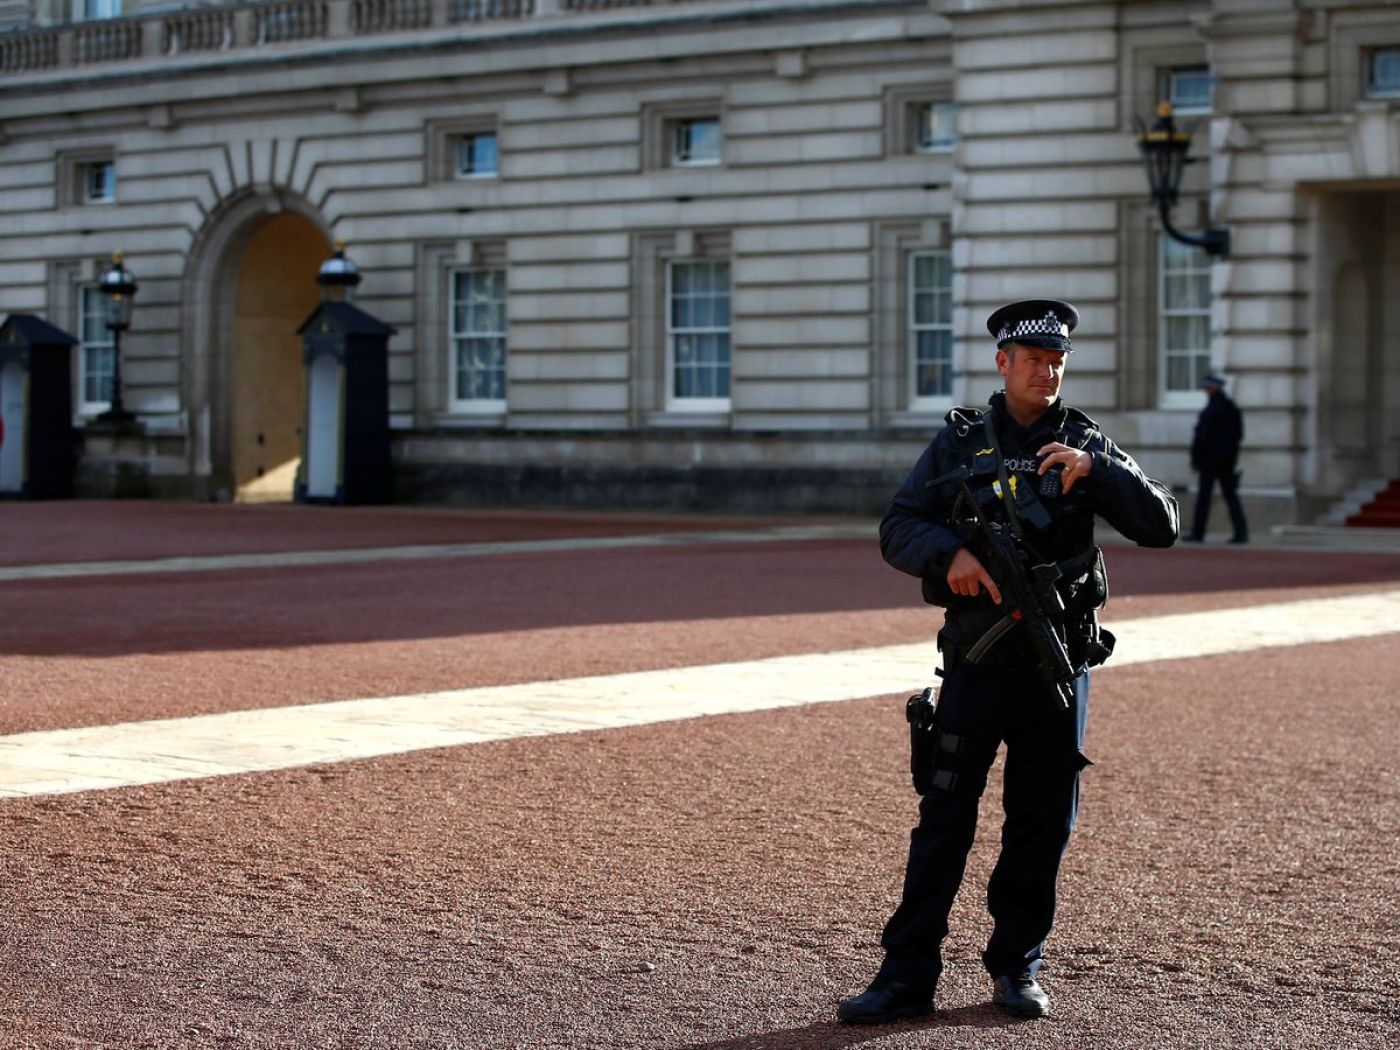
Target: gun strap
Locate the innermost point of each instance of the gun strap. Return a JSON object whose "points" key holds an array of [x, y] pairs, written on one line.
{"points": [[1008, 499]]}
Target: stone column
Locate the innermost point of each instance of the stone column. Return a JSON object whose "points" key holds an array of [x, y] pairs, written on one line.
{"points": [[339, 19], [1262, 340], [1042, 165]]}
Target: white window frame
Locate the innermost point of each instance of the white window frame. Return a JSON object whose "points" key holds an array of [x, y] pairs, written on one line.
{"points": [[1372, 91], [107, 190], [1169, 76], [460, 142], [1191, 397], [928, 402], [96, 10], [675, 402], [677, 129], [442, 139], [88, 292], [925, 114], [476, 406]]}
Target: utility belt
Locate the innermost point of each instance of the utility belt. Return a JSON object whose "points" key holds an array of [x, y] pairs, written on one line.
{"points": [[1088, 644], [1011, 651], [1083, 587]]}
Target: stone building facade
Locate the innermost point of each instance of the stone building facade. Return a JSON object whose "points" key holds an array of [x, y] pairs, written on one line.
{"points": [[706, 252]]}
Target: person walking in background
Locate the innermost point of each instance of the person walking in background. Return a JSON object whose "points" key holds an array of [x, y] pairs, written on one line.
{"points": [[1215, 449]]}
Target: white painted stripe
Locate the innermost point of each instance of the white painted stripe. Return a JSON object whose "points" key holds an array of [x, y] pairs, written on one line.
{"points": [[359, 555], [279, 738]]}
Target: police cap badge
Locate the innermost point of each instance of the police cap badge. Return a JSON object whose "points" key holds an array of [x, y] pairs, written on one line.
{"points": [[1045, 323]]}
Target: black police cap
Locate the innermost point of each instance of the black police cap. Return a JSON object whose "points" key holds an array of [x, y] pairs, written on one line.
{"points": [[1045, 323]]}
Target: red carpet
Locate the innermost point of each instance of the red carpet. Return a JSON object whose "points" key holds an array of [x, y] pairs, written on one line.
{"points": [[1382, 512]]}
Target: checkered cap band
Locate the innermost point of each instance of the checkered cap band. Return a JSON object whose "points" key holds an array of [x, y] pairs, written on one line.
{"points": [[1050, 324]]}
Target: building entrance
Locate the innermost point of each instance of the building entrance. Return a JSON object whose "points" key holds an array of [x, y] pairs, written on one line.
{"points": [[1358, 332], [274, 292]]}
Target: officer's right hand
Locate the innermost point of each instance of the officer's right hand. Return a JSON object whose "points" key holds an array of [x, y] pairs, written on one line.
{"points": [[967, 576]]}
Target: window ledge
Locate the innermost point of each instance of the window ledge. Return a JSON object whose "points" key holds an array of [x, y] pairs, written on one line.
{"points": [[918, 419], [681, 419], [1181, 400], [155, 424], [470, 420]]}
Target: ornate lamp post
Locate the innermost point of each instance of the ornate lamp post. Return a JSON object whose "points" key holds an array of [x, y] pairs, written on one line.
{"points": [[119, 286], [338, 276], [1164, 155]]}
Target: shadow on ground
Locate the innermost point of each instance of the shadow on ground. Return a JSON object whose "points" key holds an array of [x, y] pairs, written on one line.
{"points": [[464, 597], [831, 1035]]}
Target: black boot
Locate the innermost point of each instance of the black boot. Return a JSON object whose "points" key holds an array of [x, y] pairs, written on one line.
{"points": [[883, 1002], [1019, 994]]}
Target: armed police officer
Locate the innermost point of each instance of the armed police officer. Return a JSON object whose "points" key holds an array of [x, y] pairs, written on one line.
{"points": [[1038, 472]]}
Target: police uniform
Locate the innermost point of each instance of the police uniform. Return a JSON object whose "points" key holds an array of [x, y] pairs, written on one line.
{"points": [[1001, 698]]}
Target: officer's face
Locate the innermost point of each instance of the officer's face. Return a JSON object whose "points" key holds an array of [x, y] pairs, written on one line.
{"points": [[1032, 377]]}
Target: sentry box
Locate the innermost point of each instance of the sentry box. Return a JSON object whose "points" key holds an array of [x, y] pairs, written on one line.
{"points": [[37, 452], [345, 440]]}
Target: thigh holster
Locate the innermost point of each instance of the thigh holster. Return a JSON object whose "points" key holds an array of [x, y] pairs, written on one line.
{"points": [[933, 752], [921, 711]]}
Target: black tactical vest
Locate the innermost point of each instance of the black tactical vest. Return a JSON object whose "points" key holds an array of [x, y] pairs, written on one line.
{"points": [[1055, 526]]}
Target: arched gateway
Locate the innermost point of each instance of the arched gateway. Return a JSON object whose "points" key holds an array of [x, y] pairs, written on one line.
{"points": [[250, 282]]}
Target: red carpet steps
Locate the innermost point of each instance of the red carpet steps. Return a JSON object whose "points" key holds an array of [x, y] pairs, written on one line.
{"points": [[1382, 511]]}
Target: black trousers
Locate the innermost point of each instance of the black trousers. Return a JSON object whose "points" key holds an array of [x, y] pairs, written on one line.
{"points": [[982, 707], [1229, 485]]}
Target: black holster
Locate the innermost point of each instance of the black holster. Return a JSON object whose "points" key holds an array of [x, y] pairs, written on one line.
{"points": [[1089, 644], [921, 711]]}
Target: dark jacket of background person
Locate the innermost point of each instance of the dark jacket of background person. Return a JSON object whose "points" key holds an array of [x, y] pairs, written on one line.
{"points": [[1215, 448]]}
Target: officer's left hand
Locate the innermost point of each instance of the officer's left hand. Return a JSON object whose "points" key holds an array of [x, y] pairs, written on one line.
{"points": [[1077, 463]]}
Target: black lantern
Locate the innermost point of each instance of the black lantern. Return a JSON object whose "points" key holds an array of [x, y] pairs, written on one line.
{"points": [[1164, 155], [338, 276], [117, 284]]}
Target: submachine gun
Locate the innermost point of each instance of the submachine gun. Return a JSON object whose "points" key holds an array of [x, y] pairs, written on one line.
{"points": [[1028, 593]]}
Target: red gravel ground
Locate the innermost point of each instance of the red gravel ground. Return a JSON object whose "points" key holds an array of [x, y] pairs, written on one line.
{"points": [[714, 883]]}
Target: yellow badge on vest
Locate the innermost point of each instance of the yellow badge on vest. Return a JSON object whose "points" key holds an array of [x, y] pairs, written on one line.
{"points": [[996, 487]]}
